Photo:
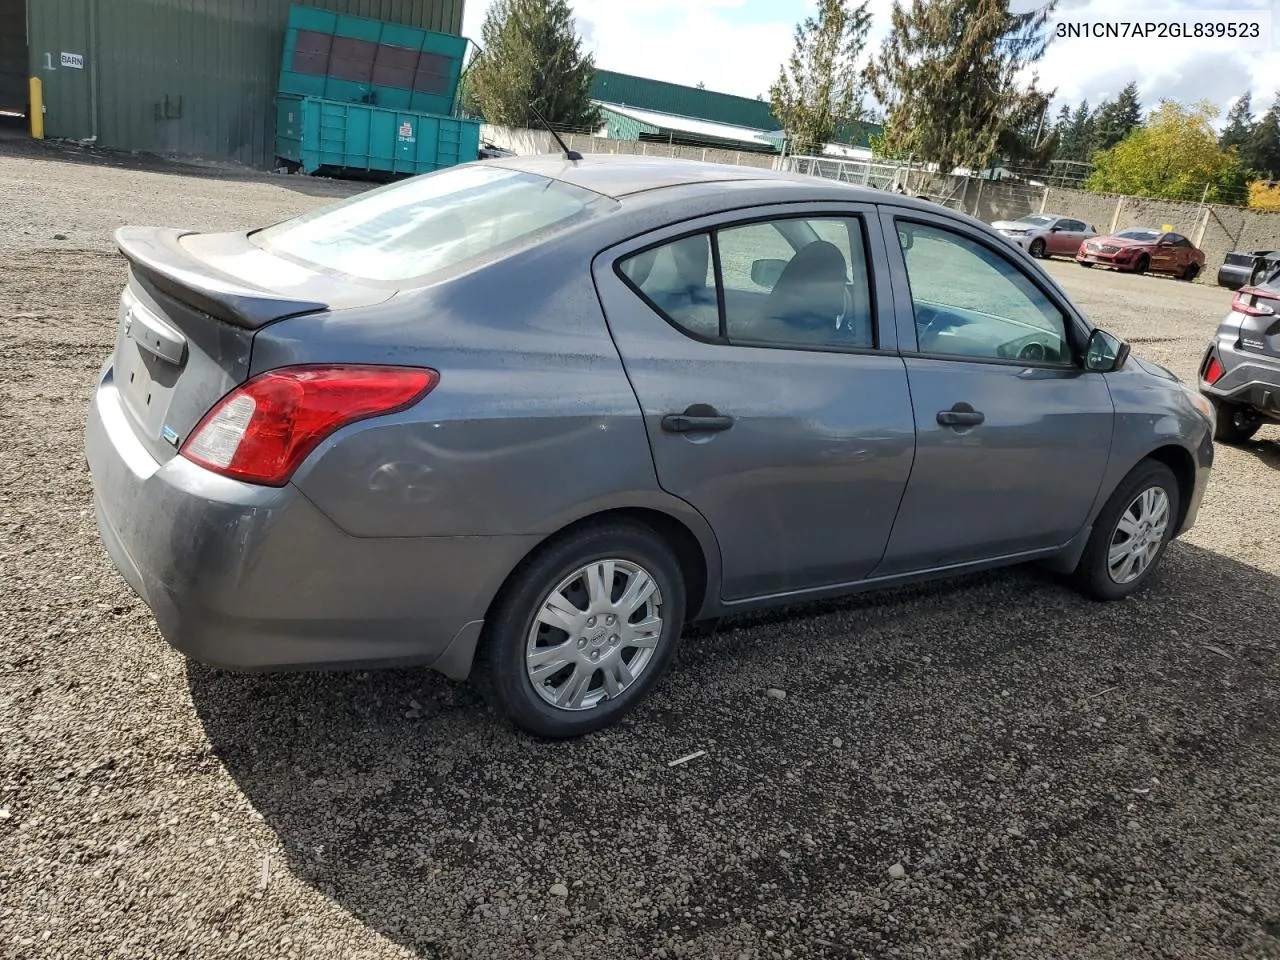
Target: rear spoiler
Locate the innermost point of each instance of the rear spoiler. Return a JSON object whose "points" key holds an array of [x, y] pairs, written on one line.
{"points": [[156, 254]]}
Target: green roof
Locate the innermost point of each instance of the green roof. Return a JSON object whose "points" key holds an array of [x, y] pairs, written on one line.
{"points": [[626, 90], [630, 91]]}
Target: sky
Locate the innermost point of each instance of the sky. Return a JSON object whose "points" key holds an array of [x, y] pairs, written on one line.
{"points": [[737, 46]]}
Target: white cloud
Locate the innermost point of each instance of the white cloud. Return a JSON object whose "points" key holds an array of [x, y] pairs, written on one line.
{"points": [[734, 49], [1181, 69], [681, 41]]}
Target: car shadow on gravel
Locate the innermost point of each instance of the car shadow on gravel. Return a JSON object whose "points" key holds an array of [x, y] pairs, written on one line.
{"points": [[1039, 765], [1266, 450]]}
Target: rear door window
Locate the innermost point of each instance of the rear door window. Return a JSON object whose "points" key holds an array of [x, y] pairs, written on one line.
{"points": [[797, 282], [678, 280], [788, 282]]}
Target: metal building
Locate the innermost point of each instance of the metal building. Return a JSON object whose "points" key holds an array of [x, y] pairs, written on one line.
{"points": [[639, 108], [187, 77]]}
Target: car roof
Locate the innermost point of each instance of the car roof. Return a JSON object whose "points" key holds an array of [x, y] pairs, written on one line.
{"points": [[623, 175]]}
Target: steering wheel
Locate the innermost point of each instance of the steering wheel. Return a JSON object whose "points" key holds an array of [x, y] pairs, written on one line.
{"points": [[929, 316], [846, 310], [1032, 351]]}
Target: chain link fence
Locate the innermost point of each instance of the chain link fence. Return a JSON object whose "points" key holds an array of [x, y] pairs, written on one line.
{"points": [[890, 176]]}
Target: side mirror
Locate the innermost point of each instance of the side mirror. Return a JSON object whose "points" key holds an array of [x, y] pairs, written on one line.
{"points": [[906, 238], [1165, 243], [1055, 229], [1104, 353], [765, 273]]}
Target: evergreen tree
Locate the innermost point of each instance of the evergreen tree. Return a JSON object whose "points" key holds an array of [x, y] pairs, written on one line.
{"points": [[1062, 122], [820, 90], [1240, 124], [1262, 151], [1030, 144], [1117, 120], [948, 74], [532, 56], [1076, 143]]}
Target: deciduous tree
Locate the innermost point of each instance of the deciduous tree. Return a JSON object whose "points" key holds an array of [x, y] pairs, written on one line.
{"points": [[1264, 196], [1174, 157]]}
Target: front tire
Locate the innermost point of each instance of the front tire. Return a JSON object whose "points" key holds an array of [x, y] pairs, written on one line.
{"points": [[1131, 533], [583, 630], [1236, 423], [1143, 264], [1086, 263], [1037, 248]]}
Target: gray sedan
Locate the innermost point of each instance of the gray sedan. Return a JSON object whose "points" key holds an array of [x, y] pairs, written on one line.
{"points": [[524, 419]]}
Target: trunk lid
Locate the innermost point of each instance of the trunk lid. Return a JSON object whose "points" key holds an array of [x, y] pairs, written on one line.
{"points": [[187, 318], [1259, 309]]}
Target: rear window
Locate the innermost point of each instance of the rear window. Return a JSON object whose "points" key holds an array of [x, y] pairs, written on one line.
{"points": [[420, 226]]}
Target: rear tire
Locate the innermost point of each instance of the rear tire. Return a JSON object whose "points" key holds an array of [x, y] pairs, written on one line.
{"points": [[1037, 248], [1191, 272], [586, 670], [1130, 534], [1143, 263], [1236, 423]]}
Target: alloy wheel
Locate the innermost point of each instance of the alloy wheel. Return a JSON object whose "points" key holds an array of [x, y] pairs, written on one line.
{"points": [[1138, 535], [594, 634]]}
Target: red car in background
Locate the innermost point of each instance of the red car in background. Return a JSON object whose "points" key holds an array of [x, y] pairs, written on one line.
{"points": [[1143, 249]]}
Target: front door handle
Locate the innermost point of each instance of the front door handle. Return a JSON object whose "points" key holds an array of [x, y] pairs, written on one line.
{"points": [[960, 415], [700, 417]]}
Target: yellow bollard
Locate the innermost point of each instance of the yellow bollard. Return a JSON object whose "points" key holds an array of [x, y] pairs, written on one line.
{"points": [[37, 109]]}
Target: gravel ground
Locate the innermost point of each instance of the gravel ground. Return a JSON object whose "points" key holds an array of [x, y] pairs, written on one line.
{"points": [[987, 768]]}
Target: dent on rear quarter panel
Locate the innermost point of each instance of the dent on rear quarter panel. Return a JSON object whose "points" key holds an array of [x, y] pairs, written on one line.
{"points": [[532, 422]]}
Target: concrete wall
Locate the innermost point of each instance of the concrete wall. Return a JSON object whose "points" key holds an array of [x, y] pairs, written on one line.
{"points": [[539, 141]]}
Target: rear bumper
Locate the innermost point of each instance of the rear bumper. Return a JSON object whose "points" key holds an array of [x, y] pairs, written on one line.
{"points": [[1250, 379], [257, 578]]}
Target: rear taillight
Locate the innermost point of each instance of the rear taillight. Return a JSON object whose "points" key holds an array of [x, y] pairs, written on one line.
{"points": [[262, 430], [1213, 371], [1246, 302]]}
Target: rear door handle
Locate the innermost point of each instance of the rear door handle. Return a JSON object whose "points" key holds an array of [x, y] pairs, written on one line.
{"points": [[698, 418], [960, 415]]}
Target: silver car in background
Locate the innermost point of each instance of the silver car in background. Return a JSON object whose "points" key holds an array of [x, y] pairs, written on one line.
{"points": [[524, 419], [1046, 234]]}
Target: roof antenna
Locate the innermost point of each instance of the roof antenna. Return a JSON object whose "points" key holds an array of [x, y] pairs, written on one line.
{"points": [[568, 154]]}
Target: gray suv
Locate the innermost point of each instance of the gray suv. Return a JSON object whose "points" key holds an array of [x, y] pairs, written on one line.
{"points": [[524, 419], [1240, 370]]}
